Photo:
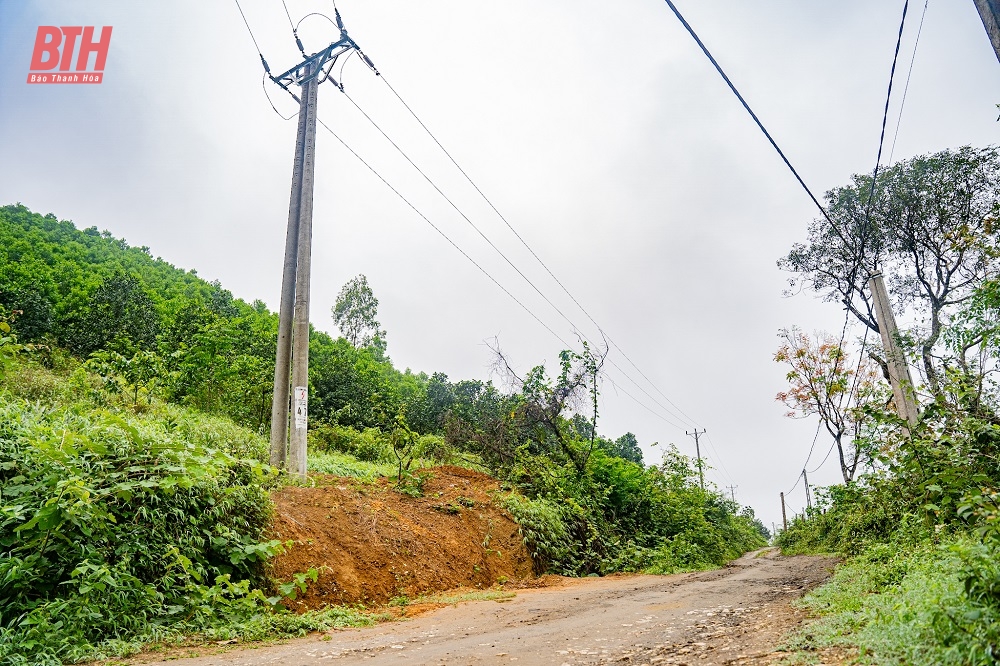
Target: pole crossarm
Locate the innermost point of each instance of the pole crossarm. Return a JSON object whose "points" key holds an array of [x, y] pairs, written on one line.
{"points": [[315, 65]]}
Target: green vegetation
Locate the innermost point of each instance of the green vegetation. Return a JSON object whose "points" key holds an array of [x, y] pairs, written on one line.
{"points": [[134, 497], [920, 524]]}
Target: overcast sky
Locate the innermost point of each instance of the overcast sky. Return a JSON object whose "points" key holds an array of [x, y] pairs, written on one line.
{"points": [[598, 129]]}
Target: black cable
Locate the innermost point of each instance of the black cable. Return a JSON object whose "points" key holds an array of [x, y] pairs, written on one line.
{"points": [[906, 88], [641, 404], [332, 22], [885, 114], [753, 115], [682, 415], [711, 444], [827, 457], [291, 23], [247, 24], [263, 87]]}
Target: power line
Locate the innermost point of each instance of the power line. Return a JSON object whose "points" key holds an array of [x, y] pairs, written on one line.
{"points": [[247, 24], [722, 465], [815, 437], [443, 234], [291, 23], [483, 270], [906, 88], [825, 458], [753, 115], [642, 404], [497, 249], [458, 210], [534, 254], [885, 114]]}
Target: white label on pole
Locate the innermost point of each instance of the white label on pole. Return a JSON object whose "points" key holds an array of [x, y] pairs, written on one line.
{"points": [[301, 408]]}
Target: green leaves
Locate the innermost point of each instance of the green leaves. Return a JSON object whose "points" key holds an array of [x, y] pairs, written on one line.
{"points": [[110, 523]]}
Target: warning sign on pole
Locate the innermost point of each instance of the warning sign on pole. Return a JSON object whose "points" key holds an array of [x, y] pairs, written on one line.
{"points": [[301, 408]]}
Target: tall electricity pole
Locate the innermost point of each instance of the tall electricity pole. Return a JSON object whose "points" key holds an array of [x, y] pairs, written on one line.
{"points": [[697, 448], [989, 11], [899, 371], [288, 440], [732, 491], [784, 516]]}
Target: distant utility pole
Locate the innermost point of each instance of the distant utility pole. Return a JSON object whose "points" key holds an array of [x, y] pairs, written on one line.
{"points": [[288, 449], [697, 448], [899, 370], [732, 491], [989, 11], [805, 479], [784, 517]]}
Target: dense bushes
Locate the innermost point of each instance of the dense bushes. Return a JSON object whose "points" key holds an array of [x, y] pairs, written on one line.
{"points": [[922, 584], [107, 521], [622, 516]]}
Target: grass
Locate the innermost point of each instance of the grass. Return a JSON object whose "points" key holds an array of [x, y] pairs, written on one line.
{"points": [[893, 606], [335, 463]]}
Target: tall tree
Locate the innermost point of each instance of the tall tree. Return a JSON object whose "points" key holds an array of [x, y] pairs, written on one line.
{"points": [[355, 312]]}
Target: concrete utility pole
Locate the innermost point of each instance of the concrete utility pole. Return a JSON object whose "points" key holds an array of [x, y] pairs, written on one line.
{"points": [[297, 463], [805, 479], [697, 448], [989, 11], [288, 449], [784, 517], [732, 491], [283, 356], [899, 372]]}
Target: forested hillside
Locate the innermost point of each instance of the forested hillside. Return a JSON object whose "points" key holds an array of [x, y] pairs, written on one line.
{"points": [[134, 492]]}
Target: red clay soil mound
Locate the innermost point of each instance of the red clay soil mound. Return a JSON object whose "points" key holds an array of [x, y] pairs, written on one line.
{"points": [[372, 543]]}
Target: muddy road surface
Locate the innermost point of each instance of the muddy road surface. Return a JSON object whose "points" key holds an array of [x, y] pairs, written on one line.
{"points": [[735, 615]]}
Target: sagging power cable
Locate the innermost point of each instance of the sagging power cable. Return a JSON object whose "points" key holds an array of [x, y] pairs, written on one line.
{"points": [[680, 413], [496, 248]]}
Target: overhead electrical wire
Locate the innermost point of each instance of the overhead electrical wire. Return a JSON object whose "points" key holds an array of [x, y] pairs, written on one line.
{"points": [[442, 233], [652, 411], [885, 114], [753, 115], [247, 24], [722, 465], [503, 218], [291, 23], [499, 251], [906, 88], [825, 458], [481, 269]]}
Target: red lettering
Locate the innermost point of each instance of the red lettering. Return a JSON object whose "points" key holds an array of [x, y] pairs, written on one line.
{"points": [[46, 53], [88, 46], [70, 33]]}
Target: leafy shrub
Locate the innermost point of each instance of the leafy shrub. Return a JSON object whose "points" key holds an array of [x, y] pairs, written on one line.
{"points": [[368, 445], [107, 524], [543, 526]]}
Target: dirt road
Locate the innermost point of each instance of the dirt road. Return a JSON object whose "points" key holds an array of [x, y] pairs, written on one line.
{"points": [[736, 615]]}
